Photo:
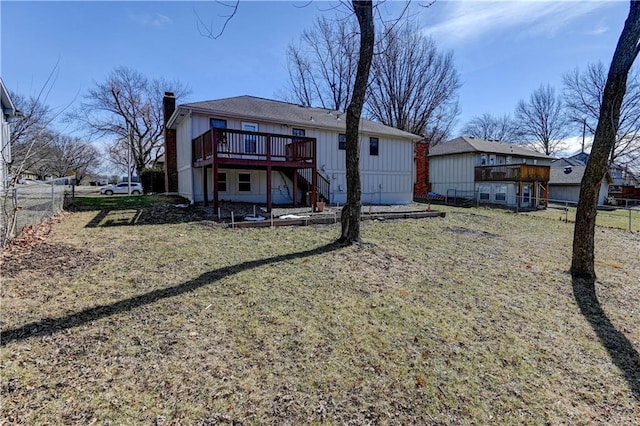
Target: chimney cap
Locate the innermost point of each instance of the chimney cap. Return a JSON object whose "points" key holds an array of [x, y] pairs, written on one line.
{"points": [[169, 94]]}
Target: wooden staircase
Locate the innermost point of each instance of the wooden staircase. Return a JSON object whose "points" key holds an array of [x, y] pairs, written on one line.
{"points": [[304, 176]]}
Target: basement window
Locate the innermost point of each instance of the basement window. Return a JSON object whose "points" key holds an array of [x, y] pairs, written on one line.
{"points": [[485, 192], [222, 182], [244, 182], [501, 193]]}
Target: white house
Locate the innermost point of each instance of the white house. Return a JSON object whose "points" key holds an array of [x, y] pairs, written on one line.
{"points": [[467, 168], [566, 177], [8, 111], [257, 150]]}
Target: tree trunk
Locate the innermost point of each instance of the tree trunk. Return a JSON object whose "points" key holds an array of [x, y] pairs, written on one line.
{"points": [[351, 211], [582, 264]]}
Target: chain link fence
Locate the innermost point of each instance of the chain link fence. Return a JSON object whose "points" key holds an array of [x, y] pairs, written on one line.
{"points": [[625, 214], [31, 204]]}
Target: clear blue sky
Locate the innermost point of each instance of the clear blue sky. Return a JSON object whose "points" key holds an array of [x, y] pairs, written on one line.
{"points": [[503, 50]]}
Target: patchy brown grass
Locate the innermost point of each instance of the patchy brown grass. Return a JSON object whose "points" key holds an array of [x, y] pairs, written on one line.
{"points": [[468, 319]]}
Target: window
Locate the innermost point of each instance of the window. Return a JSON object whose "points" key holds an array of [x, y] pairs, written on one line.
{"points": [[483, 159], [492, 160], [509, 159], [501, 193], [218, 124], [373, 146], [222, 182], [250, 140], [297, 132], [342, 141], [244, 182], [485, 192]]}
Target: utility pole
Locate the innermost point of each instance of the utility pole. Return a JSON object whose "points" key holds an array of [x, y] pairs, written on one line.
{"points": [[130, 137], [584, 130]]}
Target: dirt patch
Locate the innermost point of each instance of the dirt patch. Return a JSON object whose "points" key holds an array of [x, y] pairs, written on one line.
{"points": [[31, 252], [467, 231]]}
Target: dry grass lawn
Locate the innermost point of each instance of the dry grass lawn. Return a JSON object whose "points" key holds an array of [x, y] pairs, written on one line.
{"points": [[468, 319]]}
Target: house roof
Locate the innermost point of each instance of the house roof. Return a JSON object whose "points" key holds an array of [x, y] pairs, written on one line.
{"points": [[8, 108], [261, 109], [464, 144], [558, 175]]}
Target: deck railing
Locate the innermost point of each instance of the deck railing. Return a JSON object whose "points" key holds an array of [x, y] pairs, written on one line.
{"points": [[229, 143], [512, 172], [323, 185]]}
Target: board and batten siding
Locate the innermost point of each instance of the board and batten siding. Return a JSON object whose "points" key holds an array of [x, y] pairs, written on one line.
{"points": [[281, 187], [571, 193], [183, 159], [387, 178], [452, 172]]}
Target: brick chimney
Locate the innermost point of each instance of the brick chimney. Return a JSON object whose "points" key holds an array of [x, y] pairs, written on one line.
{"points": [[170, 158], [422, 185]]}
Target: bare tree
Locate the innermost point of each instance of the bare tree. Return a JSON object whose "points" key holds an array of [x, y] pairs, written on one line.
{"points": [[31, 137], [350, 219], [583, 93], [322, 66], [73, 156], [128, 107], [541, 121], [413, 86], [491, 127], [627, 49]]}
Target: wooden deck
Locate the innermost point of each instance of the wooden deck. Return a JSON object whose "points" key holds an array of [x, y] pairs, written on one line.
{"points": [[228, 148]]}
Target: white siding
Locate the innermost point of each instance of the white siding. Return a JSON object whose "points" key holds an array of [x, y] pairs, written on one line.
{"points": [[571, 193], [450, 173], [281, 187], [183, 153], [5, 152], [386, 178]]}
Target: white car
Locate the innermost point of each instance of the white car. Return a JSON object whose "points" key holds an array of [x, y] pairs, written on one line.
{"points": [[122, 188]]}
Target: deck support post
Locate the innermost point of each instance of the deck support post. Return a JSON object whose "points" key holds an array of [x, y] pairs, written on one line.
{"points": [[204, 186], [295, 188], [269, 195], [314, 178], [214, 168]]}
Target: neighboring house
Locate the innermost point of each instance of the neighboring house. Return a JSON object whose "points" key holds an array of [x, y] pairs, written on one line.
{"points": [[257, 150], [489, 172], [566, 177], [625, 184], [8, 111], [620, 181]]}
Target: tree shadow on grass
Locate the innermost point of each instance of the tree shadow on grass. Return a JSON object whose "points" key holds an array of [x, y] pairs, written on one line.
{"points": [[48, 326], [151, 215], [620, 349]]}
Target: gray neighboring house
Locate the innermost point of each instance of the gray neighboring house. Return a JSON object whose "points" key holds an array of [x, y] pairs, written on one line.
{"points": [[566, 176], [489, 172], [8, 111]]}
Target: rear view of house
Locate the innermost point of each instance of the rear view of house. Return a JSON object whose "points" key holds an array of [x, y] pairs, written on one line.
{"points": [[257, 150], [490, 172]]}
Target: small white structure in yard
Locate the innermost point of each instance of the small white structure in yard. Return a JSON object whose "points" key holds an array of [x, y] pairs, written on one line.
{"points": [[467, 168], [257, 150], [8, 111], [566, 177]]}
